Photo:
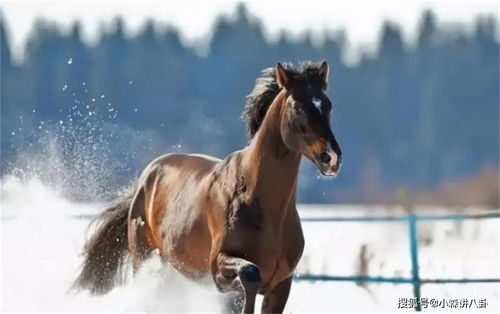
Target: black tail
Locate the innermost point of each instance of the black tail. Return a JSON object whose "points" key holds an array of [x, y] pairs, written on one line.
{"points": [[106, 250]]}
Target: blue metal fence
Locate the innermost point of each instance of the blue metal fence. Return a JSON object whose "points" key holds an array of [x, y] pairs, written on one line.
{"points": [[415, 279]]}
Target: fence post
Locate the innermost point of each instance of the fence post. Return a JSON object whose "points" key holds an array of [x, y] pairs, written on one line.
{"points": [[413, 235]]}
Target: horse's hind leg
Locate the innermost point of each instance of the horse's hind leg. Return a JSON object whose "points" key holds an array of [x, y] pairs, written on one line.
{"points": [[139, 238], [236, 274]]}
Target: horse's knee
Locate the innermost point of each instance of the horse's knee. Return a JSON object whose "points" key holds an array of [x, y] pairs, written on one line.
{"points": [[225, 283], [237, 274], [233, 273], [250, 273]]}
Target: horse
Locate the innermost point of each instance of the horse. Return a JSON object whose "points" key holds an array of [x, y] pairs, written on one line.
{"points": [[233, 219]]}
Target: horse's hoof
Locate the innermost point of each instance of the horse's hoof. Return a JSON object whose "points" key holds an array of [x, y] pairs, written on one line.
{"points": [[250, 273]]}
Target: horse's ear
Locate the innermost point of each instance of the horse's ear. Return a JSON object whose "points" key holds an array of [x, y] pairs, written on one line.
{"points": [[282, 76], [323, 73]]}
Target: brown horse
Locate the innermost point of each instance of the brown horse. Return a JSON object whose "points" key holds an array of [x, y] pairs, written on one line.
{"points": [[236, 218]]}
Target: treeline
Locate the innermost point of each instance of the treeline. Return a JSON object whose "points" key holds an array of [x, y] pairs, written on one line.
{"points": [[405, 117]]}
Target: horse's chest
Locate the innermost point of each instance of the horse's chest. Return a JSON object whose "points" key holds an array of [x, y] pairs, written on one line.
{"points": [[256, 235], [278, 257]]}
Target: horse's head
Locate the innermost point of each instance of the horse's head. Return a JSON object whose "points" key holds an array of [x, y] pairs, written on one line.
{"points": [[305, 123]]}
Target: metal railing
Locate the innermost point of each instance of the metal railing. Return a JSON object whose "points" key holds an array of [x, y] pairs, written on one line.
{"points": [[415, 279], [412, 221]]}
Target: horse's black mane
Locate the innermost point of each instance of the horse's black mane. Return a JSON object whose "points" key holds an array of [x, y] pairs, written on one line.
{"points": [[266, 89]]}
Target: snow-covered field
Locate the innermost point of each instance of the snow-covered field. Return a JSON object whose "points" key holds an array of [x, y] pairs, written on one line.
{"points": [[41, 240]]}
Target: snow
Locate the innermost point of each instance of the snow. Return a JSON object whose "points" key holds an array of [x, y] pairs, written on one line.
{"points": [[41, 239]]}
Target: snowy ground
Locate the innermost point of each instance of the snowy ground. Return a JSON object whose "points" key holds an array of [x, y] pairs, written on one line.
{"points": [[40, 242]]}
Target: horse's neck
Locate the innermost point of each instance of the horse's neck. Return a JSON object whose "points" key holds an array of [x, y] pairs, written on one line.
{"points": [[272, 168]]}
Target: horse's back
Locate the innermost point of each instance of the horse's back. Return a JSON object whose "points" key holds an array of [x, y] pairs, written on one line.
{"points": [[192, 163], [176, 182]]}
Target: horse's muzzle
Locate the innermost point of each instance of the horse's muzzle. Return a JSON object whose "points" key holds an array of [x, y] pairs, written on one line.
{"points": [[329, 162]]}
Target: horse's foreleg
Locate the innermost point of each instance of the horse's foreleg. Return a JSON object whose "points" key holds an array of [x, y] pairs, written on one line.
{"points": [[275, 299], [235, 274], [232, 302]]}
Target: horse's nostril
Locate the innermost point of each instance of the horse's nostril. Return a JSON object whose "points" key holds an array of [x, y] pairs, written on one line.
{"points": [[325, 158]]}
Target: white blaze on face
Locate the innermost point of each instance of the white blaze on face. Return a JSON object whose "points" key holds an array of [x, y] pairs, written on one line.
{"points": [[317, 103]]}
